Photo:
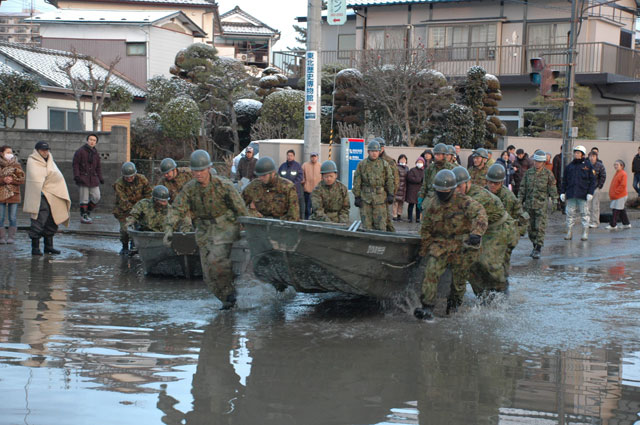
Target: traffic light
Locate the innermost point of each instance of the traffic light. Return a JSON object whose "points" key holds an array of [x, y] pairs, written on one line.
{"points": [[537, 66], [543, 76]]}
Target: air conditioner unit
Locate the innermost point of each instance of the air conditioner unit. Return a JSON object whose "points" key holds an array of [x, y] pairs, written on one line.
{"points": [[242, 57]]}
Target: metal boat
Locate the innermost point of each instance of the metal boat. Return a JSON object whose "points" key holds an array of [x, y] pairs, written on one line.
{"points": [[181, 260]]}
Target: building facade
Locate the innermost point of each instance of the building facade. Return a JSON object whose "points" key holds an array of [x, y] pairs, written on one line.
{"points": [[14, 29]]}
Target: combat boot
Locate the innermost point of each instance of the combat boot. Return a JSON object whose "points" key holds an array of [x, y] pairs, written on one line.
{"points": [[452, 306], [424, 313], [3, 235], [229, 302], [585, 233], [569, 235], [125, 249], [536, 252], [48, 246], [35, 246]]}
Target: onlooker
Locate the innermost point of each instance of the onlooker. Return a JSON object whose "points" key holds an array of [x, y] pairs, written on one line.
{"points": [[311, 176], [401, 191], [549, 163], [512, 153], [508, 167], [427, 155], [618, 195], [292, 171], [458, 149], [246, 165], [414, 183], [635, 169], [601, 177], [11, 177], [520, 165], [556, 169], [87, 173], [578, 185], [46, 198]]}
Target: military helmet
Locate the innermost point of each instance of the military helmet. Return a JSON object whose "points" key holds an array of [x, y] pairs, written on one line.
{"points": [[265, 165], [129, 169], [451, 150], [444, 181], [496, 173], [200, 160], [462, 175], [382, 142], [373, 145], [160, 193], [540, 156], [440, 148], [167, 165], [213, 171], [481, 152], [328, 167]]}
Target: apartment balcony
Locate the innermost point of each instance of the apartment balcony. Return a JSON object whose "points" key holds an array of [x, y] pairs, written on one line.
{"points": [[502, 61]]}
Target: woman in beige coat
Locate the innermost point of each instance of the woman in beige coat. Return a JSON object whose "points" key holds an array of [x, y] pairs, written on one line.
{"points": [[11, 177], [46, 198]]}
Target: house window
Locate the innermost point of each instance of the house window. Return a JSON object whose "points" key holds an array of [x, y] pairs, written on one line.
{"points": [[346, 42], [511, 119], [615, 122], [136, 49], [64, 119], [553, 34], [458, 42], [388, 38]]}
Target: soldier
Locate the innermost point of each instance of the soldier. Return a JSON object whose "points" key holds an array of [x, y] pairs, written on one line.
{"points": [[373, 189], [270, 195], [129, 189], [439, 163], [537, 185], [479, 169], [487, 273], [215, 206], [452, 223], [173, 178], [330, 198], [396, 180], [150, 215], [450, 156]]}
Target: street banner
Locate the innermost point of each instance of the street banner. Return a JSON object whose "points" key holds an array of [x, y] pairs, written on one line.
{"points": [[311, 86], [336, 12]]}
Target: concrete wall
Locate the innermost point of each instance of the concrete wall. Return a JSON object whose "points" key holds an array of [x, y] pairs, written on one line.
{"points": [[111, 146]]}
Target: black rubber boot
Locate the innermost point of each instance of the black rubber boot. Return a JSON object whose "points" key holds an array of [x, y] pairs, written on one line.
{"points": [[424, 313], [125, 248], [229, 303], [536, 252], [35, 246], [132, 249], [48, 246], [452, 306]]}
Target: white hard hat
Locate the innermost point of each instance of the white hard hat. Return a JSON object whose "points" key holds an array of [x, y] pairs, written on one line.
{"points": [[581, 149]]}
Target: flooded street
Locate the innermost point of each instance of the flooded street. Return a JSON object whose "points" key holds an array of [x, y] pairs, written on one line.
{"points": [[85, 338]]}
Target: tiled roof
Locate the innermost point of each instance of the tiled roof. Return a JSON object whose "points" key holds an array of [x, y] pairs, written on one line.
{"points": [[355, 3], [6, 68], [251, 25], [172, 2], [45, 62]]}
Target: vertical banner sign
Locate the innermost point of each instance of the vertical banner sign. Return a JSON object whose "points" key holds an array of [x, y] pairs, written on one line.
{"points": [[356, 154], [336, 12], [311, 86]]}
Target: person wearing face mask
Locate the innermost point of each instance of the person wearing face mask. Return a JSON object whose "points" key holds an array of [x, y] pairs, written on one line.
{"points": [[46, 198], [11, 177], [401, 189], [414, 183], [452, 224]]}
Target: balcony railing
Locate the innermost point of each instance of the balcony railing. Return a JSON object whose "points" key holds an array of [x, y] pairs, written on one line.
{"points": [[592, 58]]}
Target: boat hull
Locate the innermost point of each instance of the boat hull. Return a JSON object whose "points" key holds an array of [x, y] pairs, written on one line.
{"points": [[160, 260]]}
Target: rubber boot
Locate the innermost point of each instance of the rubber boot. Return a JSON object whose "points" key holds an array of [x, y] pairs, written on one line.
{"points": [[585, 233], [11, 235], [569, 235], [536, 252], [125, 248], [48, 246], [132, 249], [84, 215], [424, 313], [35, 246], [3, 236], [229, 302], [452, 306]]}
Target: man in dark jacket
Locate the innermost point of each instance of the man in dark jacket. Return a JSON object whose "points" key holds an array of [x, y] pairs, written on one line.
{"points": [[520, 165], [87, 173], [635, 169], [601, 176], [577, 189], [246, 165], [292, 170]]}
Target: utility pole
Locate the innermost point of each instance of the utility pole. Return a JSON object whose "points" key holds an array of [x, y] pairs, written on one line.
{"points": [[567, 111], [312, 120]]}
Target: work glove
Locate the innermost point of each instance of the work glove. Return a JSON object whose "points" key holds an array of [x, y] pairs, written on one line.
{"points": [[168, 238], [563, 198], [390, 199], [420, 203], [358, 202], [589, 198], [473, 241]]}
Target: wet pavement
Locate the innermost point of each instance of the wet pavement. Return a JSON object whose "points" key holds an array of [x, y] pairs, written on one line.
{"points": [[85, 337]]}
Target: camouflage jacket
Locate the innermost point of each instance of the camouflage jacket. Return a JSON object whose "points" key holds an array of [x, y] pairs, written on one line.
{"points": [[279, 199], [148, 216], [128, 194], [430, 174], [536, 187], [496, 214], [394, 166], [446, 225], [183, 177], [478, 175], [330, 203], [514, 208], [373, 180]]}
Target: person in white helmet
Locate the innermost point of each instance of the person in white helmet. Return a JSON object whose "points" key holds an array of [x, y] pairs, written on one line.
{"points": [[578, 185]]}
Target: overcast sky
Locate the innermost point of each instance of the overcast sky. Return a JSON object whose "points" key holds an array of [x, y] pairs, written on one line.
{"points": [[278, 14]]}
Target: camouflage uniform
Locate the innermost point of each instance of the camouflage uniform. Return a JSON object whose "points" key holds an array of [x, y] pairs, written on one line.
{"points": [[478, 175], [514, 208], [430, 174], [127, 195], [149, 216], [445, 227], [214, 209], [278, 199], [396, 182], [372, 181], [488, 271], [330, 203], [535, 188], [183, 177]]}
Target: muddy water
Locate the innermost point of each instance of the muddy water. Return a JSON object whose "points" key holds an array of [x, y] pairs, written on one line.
{"points": [[86, 338]]}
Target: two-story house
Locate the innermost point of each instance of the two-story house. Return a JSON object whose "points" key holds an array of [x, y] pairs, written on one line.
{"points": [[146, 42], [14, 29]]}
